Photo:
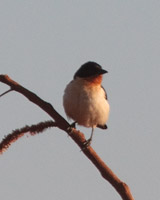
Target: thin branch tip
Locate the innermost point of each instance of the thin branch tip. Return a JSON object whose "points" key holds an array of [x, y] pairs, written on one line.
{"points": [[6, 92]]}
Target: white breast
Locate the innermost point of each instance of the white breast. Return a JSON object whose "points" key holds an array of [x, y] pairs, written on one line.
{"points": [[85, 104]]}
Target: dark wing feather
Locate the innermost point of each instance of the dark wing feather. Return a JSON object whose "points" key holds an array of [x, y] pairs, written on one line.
{"points": [[99, 125], [105, 92]]}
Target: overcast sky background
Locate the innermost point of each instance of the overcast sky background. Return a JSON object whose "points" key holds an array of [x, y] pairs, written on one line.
{"points": [[42, 44]]}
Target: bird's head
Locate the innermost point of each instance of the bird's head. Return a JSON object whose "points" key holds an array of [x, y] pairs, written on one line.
{"points": [[90, 71]]}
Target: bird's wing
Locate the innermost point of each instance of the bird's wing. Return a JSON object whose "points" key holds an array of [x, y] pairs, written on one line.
{"points": [[105, 92], [99, 125]]}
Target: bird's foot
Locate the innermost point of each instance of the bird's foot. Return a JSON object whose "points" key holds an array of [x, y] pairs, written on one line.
{"points": [[86, 144], [71, 127]]}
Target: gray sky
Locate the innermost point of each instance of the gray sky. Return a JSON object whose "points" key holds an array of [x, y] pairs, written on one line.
{"points": [[42, 44]]}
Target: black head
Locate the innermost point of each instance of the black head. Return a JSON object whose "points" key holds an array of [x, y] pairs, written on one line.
{"points": [[89, 69]]}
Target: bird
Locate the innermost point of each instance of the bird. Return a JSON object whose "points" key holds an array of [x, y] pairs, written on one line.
{"points": [[85, 100]]}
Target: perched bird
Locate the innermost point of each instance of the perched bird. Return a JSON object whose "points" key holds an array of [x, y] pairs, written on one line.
{"points": [[85, 100]]}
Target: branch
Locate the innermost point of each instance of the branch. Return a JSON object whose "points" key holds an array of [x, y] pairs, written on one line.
{"points": [[18, 133], [6, 92], [76, 135]]}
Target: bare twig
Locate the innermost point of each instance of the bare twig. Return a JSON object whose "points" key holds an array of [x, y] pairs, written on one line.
{"points": [[5, 92], [76, 135]]}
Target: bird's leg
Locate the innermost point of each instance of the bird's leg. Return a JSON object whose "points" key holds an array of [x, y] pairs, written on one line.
{"points": [[90, 139], [70, 128], [88, 142]]}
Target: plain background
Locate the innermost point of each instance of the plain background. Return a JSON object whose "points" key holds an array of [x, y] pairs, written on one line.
{"points": [[42, 44]]}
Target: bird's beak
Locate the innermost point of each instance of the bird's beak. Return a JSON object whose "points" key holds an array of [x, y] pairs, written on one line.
{"points": [[103, 71]]}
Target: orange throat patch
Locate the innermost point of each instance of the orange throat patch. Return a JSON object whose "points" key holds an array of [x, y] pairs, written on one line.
{"points": [[94, 80]]}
